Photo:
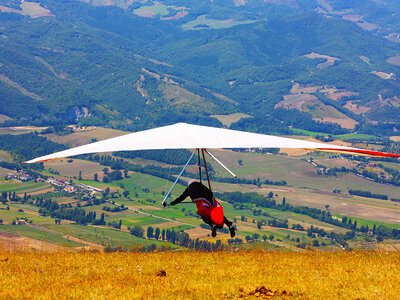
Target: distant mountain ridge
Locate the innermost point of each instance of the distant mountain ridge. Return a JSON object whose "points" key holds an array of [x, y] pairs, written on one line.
{"points": [[133, 64]]}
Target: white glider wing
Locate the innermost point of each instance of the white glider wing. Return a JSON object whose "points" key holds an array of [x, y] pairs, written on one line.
{"points": [[188, 136]]}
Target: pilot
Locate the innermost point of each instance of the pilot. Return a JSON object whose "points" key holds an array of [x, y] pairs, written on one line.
{"points": [[208, 207]]}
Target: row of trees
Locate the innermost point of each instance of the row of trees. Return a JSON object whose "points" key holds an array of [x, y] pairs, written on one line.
{"points": [[28, 145], [63, 212], [180, 238], [315, 213], [165, 173], [367, 194]]}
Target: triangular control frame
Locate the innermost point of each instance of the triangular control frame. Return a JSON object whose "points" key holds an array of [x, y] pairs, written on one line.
{"points": [[198, 150]]}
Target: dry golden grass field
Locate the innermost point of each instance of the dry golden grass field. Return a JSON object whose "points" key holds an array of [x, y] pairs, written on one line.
{"points": [[193, 275]]}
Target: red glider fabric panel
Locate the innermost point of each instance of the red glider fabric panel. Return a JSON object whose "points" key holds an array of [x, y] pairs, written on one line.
{"points": [[215, 213], [359, 152]]}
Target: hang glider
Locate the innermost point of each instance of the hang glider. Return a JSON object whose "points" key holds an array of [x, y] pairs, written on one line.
{"points": [[188, 136]]}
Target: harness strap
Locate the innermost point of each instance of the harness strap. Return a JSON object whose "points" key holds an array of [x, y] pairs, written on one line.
{"points": [[203, 199]]}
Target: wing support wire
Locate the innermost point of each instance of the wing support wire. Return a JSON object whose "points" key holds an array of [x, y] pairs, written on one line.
{"points": [[179, 176], [222, 165]]}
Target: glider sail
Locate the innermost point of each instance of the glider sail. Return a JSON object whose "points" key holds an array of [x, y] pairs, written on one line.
{"points": [[188, 136]]}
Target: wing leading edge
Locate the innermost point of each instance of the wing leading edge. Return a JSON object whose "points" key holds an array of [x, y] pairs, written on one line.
{"points": [[188, 136]]}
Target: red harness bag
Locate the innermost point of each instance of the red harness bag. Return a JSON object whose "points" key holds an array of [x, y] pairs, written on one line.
{"points": [[215, 213]]}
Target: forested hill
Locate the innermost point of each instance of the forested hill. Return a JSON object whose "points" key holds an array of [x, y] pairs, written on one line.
{"points": [[329, 66]]}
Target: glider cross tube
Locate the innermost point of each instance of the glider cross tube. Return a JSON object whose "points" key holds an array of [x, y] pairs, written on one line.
{"points": [[188, 136]]}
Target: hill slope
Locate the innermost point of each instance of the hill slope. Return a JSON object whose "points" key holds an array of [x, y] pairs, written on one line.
{"points": [[133, 65]]}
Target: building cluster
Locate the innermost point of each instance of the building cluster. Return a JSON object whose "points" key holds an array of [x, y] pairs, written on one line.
{"points": [[21, 176], [70, 188], [90, 188], [325, 171], [65, 186]]}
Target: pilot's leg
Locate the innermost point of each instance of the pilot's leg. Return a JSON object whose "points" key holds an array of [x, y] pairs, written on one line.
{"points": [[213, 227], [230, 226]]}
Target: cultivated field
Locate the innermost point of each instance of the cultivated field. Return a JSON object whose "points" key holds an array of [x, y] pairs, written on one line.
{"points": [[194, 275], [151, 11], [394, 60], [85, 136], [145, 193], [227, 120], [329, 60], [202, 22]]}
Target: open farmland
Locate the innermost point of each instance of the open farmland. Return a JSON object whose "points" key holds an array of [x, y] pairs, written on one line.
{"points": [[227, 120], [4, 118], [302, 99], [151, 11], [72, 169], [329, 60], [35, 10], [20, 130], [139, 196], [203, 22], [85, 136], [394, 60], [170, 275], [21, 187]]}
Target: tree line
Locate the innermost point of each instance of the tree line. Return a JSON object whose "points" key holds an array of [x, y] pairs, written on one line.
{"points": [[315, 213], [63, 212], [180, 238]]}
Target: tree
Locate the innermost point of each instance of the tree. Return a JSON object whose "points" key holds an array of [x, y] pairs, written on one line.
{"points": [[271, 237], [259, 224], [150, 231], [163, 234], [126, 173], [80, 175], [137, 231], [157, 233], [283, 201], [96, 177], [126, 193], [105, 171]]}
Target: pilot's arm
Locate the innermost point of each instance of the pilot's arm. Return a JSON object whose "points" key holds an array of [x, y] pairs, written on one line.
{"points": [[181, 197]]}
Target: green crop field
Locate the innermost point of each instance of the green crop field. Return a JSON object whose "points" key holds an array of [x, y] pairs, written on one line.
{"points": [[350, 136], [15, 186], [13, 214], [102, 236], [371, 223]]}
